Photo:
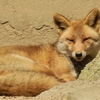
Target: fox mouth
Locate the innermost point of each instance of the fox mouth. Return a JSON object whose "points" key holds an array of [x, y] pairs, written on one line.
{"points": [[78, 59]]}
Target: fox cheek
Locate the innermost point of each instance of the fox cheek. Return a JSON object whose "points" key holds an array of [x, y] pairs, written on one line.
{"points": [[87, 46], [96, 43], [69, 47], [92, 44]]}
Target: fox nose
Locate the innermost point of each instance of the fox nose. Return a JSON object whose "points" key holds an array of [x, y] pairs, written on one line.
{"points": [[78, 54]]}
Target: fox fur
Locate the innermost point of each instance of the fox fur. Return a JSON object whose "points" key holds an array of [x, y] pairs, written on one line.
{"points": [[30, 70]]}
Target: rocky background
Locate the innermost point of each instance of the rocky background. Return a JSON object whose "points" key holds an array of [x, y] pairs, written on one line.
{"points": [[30, 22]]}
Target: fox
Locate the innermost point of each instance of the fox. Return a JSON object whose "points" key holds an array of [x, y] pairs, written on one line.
{"points": [[30, 70]]}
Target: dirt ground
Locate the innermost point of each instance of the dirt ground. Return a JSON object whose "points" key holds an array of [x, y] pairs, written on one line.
{"points": [[30, 22]]}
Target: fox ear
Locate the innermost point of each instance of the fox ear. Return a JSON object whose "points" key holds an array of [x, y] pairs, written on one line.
{"points": [[61, 23], [93, 18]]}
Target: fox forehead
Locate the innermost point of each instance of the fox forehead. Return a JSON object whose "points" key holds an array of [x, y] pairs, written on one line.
{"points": [[76, 29], [79, 30]]}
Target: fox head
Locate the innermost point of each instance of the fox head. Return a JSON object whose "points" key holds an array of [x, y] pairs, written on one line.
{"points": [[78, 38]]}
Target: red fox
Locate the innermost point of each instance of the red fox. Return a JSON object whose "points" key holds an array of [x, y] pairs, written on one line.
{"points": [[29, 70]]}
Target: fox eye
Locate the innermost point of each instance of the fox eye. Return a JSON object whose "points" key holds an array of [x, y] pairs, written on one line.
{"points": [[71, 40], [86, 38], [62, 28]]}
